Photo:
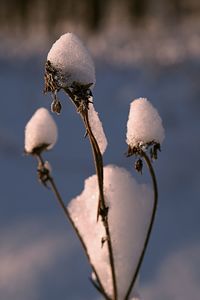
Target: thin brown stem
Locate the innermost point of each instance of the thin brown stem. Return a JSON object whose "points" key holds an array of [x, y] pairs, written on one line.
{"points": [[99, 170], [155, 188], [67, 214], [98, 160], [102, 209]]}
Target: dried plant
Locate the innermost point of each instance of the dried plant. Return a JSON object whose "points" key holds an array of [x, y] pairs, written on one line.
{"points": [[100, 206]]}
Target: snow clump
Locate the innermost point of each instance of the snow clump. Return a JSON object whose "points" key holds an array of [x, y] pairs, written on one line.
{"points": [[69, 56], [130, 209], [97, 128], [144, 124], [40, 132]]}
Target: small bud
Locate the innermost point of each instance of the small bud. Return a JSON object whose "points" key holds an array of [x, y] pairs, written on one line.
{"points": [[154, 151], [139, 165], [56, 106], [43, 172]]}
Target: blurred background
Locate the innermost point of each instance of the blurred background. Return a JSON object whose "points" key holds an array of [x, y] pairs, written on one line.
{"points": [[141, 49]]}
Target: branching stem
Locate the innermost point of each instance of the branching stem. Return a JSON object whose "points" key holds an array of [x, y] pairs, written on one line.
{"points": [[155, 188], [54, 189]]}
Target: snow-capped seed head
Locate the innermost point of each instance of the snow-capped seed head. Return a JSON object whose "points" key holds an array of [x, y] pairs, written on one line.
{"points": [[70, 62], [40, 132], [144, 125], [97, 128]]}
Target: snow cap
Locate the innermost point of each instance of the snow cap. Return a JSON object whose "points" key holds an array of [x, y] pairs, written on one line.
{"points": [[97, 128], [40, 131], [130, 208], [69, 56], [144, 124]]}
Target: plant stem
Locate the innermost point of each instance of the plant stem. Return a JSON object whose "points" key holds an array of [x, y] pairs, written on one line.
{"points": [[101, 205], [67, 214], [155, 188], [98, 161]]}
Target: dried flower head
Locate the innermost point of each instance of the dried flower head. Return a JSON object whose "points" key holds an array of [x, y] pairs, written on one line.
{"points": [[68, 62], [40, 132], [144, 128]]}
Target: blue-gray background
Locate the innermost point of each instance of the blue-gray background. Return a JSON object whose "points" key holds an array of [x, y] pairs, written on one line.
{"points": [[154, 54]]}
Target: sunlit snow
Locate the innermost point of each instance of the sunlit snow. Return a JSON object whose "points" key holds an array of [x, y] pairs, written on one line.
{"points": [[130, 207], [144, 124], [40, 130], [72, 59]]}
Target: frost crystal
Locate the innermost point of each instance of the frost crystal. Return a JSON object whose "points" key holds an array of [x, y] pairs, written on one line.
{"points": [[70, 57], [40, 132], [130, 208], [144, 124], [97, 128]]}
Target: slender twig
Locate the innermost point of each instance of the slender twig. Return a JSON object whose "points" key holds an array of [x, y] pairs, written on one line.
{"points": [[101, 205], [98, 160], [98, 164], [102, 209], [155, 188], [68, 216]]}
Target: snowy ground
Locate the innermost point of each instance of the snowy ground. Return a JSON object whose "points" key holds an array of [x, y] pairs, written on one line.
{"points": [[39, 256]]}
